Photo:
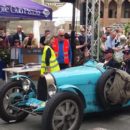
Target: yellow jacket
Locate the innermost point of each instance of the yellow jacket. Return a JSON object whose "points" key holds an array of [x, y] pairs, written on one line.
{"points": [[53, 66]]}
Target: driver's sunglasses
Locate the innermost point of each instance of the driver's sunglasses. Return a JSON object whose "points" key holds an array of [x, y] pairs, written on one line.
{"points": [[61, 35]]}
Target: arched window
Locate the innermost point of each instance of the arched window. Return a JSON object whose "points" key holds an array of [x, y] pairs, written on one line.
{"points": [[126, 9], [102, 10], [112, 9]]}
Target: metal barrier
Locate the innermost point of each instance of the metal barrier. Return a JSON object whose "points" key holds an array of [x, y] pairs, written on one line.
{"points": [[26, 55]]}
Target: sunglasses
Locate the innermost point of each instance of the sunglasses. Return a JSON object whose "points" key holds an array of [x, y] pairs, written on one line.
{"points": [[126, 53], [61, 35]]}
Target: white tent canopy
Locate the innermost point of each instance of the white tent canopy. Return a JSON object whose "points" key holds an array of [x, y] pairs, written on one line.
{"points": [[65, 13]]}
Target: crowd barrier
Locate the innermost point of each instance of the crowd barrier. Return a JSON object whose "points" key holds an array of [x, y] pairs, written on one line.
{"points": [[27, 55], [23, 55]]}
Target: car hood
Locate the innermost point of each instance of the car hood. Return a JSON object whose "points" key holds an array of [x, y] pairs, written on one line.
{"points": [[78, 75]]}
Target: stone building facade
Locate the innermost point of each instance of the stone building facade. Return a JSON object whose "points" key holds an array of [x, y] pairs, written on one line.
{"points": [[113, 11]]}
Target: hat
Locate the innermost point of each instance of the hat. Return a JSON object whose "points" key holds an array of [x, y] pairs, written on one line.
{"points": [[109, 50]]}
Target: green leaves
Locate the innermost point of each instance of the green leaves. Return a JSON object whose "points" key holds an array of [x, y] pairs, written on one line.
{"points": [[127, 28], [5, 55]]}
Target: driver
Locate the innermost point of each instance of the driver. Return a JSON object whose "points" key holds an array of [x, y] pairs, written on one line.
{"points": [[109, 59]]}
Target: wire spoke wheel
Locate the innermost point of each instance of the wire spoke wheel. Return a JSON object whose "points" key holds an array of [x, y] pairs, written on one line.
{"points": [[107, 87], [104, 89], [10, 100], [10, 97], [63, 112], [65, 115]]}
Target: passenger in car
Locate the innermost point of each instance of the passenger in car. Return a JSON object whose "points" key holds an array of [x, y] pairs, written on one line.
{"points": [[109, 59], [86, 56]]}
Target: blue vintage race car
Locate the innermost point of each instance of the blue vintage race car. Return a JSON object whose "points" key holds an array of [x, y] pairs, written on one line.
{"points": [[67, 95]]}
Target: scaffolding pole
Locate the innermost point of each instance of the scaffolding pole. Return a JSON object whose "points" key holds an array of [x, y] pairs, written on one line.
{"points": [[93, 22]]}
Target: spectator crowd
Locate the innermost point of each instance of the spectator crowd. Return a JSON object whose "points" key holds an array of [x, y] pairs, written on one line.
{"points": [[114, 48]]}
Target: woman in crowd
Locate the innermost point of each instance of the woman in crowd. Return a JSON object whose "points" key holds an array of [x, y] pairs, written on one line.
{"points": [[30, 41]]}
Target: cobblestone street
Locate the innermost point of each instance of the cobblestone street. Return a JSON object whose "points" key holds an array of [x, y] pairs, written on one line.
{"points": [[118, 121]]}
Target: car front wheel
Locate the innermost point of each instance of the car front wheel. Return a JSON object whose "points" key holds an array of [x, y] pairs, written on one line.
{"points": [[63, 112], [10, 95]]}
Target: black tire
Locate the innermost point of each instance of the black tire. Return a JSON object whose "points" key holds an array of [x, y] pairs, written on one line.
{"points": [[55, 108], [104, 83], [4, 98]]}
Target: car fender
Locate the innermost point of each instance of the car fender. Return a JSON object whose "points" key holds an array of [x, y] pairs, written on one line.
{"points": [[19, 77], [74, 89]]}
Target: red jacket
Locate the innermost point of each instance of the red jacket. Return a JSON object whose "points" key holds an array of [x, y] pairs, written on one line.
{"points": [[55, 47]]}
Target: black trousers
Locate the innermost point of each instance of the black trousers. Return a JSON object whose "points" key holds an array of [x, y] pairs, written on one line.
{"points": [[42, 89], [63, 66]]}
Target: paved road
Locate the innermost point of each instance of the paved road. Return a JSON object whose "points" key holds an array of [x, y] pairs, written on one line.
{"points": [[112, 121]]}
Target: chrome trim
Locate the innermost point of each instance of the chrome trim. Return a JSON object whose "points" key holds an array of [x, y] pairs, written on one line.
{"points": [[49, 79]]}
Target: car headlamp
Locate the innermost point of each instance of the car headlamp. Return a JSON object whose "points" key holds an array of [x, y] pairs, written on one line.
{"points": [[51, 90], [26, 84], [51, 87]]}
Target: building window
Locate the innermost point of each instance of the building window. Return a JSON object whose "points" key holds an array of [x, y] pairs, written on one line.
{"points": [[126, 9], [112, 9], [70, 27], [102, 10]]}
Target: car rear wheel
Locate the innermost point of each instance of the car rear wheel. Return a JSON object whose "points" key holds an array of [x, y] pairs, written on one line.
{"points": [[103, 86], [63, 112], [10, 94]]}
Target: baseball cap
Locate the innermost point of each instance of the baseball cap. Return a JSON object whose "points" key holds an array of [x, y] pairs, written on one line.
{"points": [[109, 50]]}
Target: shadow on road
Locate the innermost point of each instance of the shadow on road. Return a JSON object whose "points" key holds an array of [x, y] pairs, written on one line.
{"points": [[107, 115]]}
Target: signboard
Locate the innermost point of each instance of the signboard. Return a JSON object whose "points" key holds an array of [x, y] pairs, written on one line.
{"points": [[34, 51], [24, 11]]}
